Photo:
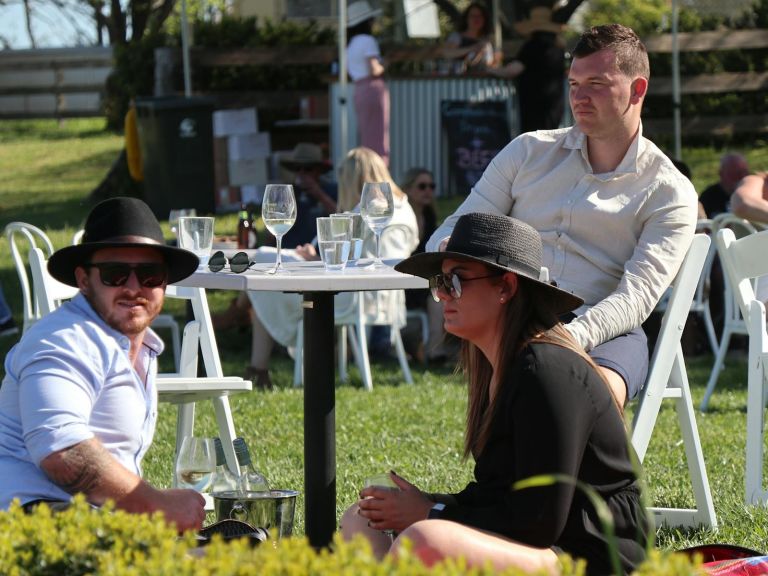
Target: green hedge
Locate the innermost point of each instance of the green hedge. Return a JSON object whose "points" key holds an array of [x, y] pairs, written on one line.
{"points": [[82, 541]]}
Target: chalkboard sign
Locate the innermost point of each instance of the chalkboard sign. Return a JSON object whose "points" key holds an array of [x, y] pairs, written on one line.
{"points": [[473, 133]]}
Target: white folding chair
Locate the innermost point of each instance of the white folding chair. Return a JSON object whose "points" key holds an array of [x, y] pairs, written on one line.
{"points": [[744, 260], [49, 293], [185, 387], [21, 238], [700, 302], [351, 321], [733, 318], [667, 378]]}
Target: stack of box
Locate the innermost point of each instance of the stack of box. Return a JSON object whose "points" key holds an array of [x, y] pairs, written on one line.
{"points": [[240, 154]]}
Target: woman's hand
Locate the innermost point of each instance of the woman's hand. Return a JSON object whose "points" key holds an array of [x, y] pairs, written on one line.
{"points": [[307, 251], [391, 509]]}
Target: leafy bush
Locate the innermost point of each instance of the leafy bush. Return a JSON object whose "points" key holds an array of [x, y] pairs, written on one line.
{"points": [[83, 541]]}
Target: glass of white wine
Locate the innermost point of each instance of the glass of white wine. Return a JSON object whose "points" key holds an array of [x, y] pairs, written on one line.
{"points": [[278, 209], [196, 463], [377, 207]]}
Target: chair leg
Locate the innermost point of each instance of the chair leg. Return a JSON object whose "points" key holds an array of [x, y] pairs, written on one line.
{"points": [[185, 426], [398, 341], [341, 343], [714, 375], [710, 328], [176, 341], [365, 372], [298, 360]]}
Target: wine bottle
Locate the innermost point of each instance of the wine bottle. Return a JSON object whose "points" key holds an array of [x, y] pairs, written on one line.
{"points": [[223, 479], [251, 480], [243, 228]]}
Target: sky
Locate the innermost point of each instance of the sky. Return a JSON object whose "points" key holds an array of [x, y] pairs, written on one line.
{"points": [[51, 29]]}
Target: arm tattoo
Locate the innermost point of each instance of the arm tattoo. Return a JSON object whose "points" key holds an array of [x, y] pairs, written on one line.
{"points": [[80, 468]]}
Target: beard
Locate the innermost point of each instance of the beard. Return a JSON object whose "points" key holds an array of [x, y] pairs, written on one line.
{"points": [[126, 312]]}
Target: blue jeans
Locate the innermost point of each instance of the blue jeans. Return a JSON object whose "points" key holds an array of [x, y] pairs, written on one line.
{"points": [[5, 311]]}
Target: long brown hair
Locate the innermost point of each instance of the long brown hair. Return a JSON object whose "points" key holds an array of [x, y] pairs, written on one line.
{"points": [[527, 318]]}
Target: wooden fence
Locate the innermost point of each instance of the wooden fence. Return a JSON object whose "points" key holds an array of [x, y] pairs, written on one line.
{"points": [[58, 83]]}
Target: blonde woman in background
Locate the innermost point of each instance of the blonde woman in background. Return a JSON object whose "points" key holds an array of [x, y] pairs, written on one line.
{"points": [[419, 185], [277, 314]]}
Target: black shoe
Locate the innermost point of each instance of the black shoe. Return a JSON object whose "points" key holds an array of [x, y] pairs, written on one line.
{"points": [[8, 328]]}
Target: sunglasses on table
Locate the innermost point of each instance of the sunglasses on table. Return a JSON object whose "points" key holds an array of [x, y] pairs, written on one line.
{"points": [[449, 284], [239, 263], [425, 185], [149, 275]]}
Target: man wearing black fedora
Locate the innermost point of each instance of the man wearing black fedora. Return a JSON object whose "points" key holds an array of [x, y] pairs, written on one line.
{"points": [[78, 405]]}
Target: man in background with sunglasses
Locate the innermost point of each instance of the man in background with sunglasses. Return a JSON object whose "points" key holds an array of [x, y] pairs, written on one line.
{"points": [[78, 405]]}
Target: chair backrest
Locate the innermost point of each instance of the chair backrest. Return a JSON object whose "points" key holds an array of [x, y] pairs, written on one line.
{"points": [[21, 238], [49, 292], [668, 342], [743, 260]]}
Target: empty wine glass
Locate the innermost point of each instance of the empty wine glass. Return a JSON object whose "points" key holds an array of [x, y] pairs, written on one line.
{"points": [[377, 208], [196, 463], [278, 209]]}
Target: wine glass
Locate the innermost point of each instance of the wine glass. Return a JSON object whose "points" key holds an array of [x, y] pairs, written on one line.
{"points": [[377, 207], [196, 463], [278, 209]]}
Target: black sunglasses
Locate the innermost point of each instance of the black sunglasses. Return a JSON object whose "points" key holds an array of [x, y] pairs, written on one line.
{"points": [[425, 185], [450, 284], [149, 275], [240, 262]]}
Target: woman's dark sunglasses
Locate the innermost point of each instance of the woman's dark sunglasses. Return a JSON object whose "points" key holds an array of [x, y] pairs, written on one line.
{"points": [[425, 185], [450, 284], [240, 262], [149, 275]]}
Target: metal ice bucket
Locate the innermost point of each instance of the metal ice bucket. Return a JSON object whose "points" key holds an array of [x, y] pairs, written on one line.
{"points": [[272, 510]]}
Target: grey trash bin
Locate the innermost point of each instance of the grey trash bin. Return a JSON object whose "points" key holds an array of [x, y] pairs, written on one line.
{"points": [[176, 142]]}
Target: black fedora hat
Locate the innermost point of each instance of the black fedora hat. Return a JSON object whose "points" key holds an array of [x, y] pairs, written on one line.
{"points": [[120, 223], [498, 241]]}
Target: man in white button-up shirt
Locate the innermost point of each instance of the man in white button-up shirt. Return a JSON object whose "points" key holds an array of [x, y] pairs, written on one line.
{"points": [[78, 405], [615, 215]]}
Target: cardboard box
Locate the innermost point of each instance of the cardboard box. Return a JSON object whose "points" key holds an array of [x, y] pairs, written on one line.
{"points": [[235, 122]]}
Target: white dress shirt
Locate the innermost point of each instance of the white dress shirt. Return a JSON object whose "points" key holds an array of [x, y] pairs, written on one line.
{"points": [[615, 239]]}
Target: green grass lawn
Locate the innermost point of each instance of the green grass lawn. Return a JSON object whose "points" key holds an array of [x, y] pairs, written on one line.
{"points": [[48, 172]]}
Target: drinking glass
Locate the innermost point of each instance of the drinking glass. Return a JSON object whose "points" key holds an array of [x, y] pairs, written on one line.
{"points": [[386, 482], [196, 463], [333, 241], [377, 208], [173, 218], [278, 209], [356, 246], [196, 235]]}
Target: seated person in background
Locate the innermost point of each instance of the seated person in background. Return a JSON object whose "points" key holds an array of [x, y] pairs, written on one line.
{"points": [[471, 48], [277, 314], [315, 193], [750, 198], [419, 185], [537, 406], [716, 199], [615, 216], [78, 405], [315, 196]]}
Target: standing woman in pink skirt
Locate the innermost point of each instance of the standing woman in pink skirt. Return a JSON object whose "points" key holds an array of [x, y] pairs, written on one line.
{"points": [[366, 70]]}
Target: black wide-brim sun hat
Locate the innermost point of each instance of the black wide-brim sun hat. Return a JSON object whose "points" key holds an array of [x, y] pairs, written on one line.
{"points": [[499, 242], [121, 223]]}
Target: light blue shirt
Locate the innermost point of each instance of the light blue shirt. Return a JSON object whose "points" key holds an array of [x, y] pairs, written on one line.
{"points": [[70, 379]]}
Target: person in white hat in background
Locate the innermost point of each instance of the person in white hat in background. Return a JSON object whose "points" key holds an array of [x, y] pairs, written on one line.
{"points": [[366, 70]]}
